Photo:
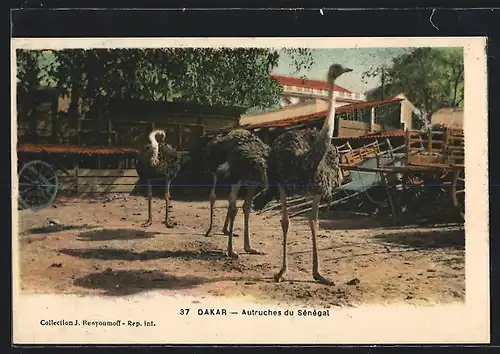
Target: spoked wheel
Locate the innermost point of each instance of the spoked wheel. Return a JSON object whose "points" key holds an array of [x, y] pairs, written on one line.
{"points": [[38, 185], [415, 184], [458, 191]]}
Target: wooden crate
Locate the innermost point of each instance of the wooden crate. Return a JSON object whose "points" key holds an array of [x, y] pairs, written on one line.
{"points": [[355, 156]]}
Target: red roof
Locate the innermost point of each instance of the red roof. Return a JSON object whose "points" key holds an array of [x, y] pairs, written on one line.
{"points": [[90, 150], [321, 115], [311, 84]]}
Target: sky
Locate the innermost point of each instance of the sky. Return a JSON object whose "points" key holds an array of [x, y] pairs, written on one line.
{"points": [[358, 59]]}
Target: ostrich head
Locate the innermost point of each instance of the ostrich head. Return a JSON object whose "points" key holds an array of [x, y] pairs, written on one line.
{"points": [[335, 71]]}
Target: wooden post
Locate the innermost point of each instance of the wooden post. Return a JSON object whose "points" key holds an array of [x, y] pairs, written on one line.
{"points": [[179, 137], [389, 197], [77, 182], [109, 132], [390, 148], [407, 152], [79, 131], [372, 120], [56, 135], [429, 141]]}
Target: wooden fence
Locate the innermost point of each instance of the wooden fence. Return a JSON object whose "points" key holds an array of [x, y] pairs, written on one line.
{"points": [[97, 180], [87, 181]]}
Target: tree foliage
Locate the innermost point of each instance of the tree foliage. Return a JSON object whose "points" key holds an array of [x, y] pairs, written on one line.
{"points": [[211, 76], [431, 78]]}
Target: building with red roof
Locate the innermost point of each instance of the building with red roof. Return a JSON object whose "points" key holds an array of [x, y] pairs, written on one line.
{"points": [[297, 90]]}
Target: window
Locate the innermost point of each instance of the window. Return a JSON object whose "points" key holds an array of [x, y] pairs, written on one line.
{"points": [[359, 115], [388, 114]]}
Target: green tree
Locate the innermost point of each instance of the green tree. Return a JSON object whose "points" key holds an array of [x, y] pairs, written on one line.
{"points": [[432, 78], [28, 81], [211, 76]]}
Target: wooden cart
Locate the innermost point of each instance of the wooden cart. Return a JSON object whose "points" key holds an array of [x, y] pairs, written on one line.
{"points": [[443, 150], [434, 158]]}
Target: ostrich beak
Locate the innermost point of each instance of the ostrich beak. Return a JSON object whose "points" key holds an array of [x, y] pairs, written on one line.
{"points": [[346, 70]]}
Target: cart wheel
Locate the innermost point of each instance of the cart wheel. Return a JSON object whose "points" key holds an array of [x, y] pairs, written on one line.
{"points": [[458, 191], [415, 184], [38, 185]]}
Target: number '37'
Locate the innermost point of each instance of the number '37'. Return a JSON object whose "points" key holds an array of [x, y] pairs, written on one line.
{"points": [[184, 312]]}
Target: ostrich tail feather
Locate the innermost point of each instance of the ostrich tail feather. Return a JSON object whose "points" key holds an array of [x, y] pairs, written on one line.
{"points": [[224, 170]]}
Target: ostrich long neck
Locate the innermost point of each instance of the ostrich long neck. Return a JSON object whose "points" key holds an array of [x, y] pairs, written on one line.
{"points": [[154, 145], [329, 124], [320, 146]]}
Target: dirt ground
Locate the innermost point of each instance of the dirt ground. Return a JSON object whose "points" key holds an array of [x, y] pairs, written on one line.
{"points": [[98, 247]]}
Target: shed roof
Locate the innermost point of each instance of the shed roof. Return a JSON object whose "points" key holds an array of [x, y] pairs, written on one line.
{"points": [[72, 149], [311, 84], [321, 115]]}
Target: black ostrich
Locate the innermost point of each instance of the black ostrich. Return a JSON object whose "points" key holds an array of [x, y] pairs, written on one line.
{"points": [[304, 162], [239, 157], [158, 161]]}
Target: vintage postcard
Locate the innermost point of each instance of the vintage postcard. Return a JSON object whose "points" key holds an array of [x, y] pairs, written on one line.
{"points": [[250, 190]]}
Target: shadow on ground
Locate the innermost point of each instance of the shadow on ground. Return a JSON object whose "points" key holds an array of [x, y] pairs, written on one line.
{"points": [[58, 228], [115, 234], [128, 282], [454, 239], [127, 255], [333, 221], [337, 223]]}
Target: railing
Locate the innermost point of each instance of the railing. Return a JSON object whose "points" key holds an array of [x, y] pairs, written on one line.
{"points": [[90, 132], [323, 93], [435, 147]]}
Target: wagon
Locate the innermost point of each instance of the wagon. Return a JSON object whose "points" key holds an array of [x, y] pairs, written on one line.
{"points": [[42, 166], [433, 164], [427, 163]]}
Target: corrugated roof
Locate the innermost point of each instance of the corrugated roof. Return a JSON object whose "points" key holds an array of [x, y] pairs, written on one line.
{"points": [[72, 149], [320, 115], [312, 84], [372, 136]]}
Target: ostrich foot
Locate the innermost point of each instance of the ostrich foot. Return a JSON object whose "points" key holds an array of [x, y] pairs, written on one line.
{"points": [[147, 223], [280, 276], [170, 224], [321, 279], [251, 250], [227, 233], [232, 254]]}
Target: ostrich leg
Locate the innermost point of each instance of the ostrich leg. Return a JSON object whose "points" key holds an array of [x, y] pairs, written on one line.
{"points": [[225, 229], [212, 202], [167, 206], [313, 224], [232, 211], [150, 196], [285, 223], [247, 206]]}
